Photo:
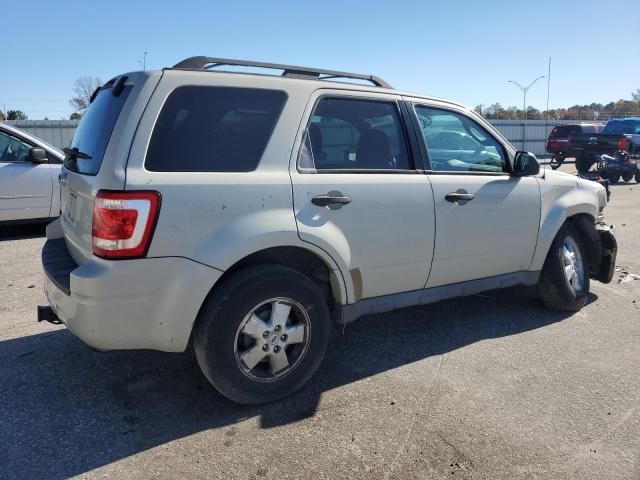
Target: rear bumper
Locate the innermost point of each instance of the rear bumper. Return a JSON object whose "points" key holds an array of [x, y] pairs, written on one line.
{"points": [[148, 303]]}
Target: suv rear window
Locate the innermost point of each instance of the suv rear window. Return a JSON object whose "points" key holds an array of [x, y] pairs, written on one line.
{"points": [[563, 131], [213, 129], [93, 132]]}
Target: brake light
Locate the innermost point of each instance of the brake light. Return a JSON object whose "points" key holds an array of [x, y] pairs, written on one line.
{"points": [[623, 143], [123, 223]]}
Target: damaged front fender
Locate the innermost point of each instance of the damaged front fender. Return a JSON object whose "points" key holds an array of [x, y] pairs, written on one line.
{"points": [[601, 246], [608, 252]]}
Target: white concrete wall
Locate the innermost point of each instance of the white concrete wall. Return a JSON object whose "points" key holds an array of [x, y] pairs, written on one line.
{"points": [[55, 132]]}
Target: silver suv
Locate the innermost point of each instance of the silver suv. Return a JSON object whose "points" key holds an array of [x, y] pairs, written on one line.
{"points": [[250, 212]]}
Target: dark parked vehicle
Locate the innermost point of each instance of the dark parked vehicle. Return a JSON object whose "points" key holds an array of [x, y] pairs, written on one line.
{"points": [[558, 141], [617, 135]]}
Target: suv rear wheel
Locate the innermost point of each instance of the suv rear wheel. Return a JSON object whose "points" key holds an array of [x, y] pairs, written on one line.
{"points": [[262, 334], [583, 164], [564, 282]]}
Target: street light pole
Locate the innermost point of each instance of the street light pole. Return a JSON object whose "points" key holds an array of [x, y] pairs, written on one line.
{"points": [[524, 93]]}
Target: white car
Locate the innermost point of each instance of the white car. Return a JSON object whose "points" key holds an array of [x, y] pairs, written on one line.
{"points": [[249, 212], [29, 169]]}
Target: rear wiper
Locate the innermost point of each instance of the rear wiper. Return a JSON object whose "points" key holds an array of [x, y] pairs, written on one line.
{"points": [[74, 153]]}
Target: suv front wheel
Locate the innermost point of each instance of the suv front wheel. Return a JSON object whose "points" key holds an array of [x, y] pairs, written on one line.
{"points": [[564, 281], [262, 334]]}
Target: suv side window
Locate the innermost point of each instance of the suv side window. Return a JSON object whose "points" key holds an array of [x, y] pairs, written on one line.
{"points": [[455, 143], [13, 150], [355, 134], [213, 129]]}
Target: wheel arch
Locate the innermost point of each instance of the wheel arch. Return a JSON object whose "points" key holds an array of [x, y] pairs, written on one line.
{"points": [[317, 267], [313, 262], [583, 213], [584, 223], [321, 269]]}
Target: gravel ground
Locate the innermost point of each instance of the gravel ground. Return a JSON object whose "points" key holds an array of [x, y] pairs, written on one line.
{"points": [[487, 387]]}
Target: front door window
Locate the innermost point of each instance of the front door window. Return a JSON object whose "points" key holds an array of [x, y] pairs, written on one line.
{"points": [[456, 143]]}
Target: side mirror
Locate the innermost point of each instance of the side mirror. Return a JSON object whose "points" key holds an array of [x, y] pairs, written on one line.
{"points": [[525, 163], [37, 155]]}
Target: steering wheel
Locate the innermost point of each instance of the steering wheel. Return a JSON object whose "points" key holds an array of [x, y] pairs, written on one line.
{"points": [[477, 155], [22, 153], [5, 154]]}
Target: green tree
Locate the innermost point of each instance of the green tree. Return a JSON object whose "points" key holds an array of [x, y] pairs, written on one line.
{"points": [[2, 116], [636, 95], [16, 115], [75, 116]]}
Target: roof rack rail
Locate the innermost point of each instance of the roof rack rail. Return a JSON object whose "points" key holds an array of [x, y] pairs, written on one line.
{"points": [[205, 63]]}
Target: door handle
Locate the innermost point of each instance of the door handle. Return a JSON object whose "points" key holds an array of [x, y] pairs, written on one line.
{"points": [[460, 197], [333, 200]]}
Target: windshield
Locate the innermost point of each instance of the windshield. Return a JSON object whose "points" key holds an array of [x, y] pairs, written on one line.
{"points": [[622, 126], [93, 133]]}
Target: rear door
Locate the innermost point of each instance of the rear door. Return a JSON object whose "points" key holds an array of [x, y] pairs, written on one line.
{"points": [[358, 194], [486, 220], [25, 187]]}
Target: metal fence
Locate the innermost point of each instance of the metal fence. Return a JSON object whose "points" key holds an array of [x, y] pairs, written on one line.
{"points": [[529, 135], [55, 132]]}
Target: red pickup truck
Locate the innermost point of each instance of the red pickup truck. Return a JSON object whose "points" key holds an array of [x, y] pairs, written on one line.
{"points": [[558, 141]]}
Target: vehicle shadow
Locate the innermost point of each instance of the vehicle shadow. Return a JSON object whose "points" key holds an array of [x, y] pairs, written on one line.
{"points": [[22, 231], [66, 409]]}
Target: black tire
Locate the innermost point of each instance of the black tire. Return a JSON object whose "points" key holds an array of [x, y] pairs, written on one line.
{"points": [[627, 176], [637, 176], [555, 290], [216, 334], [613, 177], [556, 162], [583, 164]]}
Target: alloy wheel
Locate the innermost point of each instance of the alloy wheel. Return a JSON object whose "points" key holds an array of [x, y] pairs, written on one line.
{"points": [[272, 339]]}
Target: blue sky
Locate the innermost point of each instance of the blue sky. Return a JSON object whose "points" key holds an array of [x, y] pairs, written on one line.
{"points": [[464, 51]]}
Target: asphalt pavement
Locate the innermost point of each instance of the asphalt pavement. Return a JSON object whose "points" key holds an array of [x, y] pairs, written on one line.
{"points": [[486, 387]]}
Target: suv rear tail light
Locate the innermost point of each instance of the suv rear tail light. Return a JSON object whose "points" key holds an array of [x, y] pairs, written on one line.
{"points": [[623, 143], [123, 223]]}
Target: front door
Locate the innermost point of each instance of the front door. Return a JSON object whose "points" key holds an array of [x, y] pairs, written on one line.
{"points": [[25, 187], [358, 196], [486, 220]]}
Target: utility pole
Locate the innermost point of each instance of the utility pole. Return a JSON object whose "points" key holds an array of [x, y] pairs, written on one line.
{"points": [[546, 116], [524, 93], [144, 61]]}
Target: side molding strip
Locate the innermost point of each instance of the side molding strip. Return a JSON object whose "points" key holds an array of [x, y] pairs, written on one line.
{"points": [[348, 313]]}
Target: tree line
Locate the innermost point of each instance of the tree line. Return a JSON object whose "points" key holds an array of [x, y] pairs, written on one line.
{"points": [[593, 112]]}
